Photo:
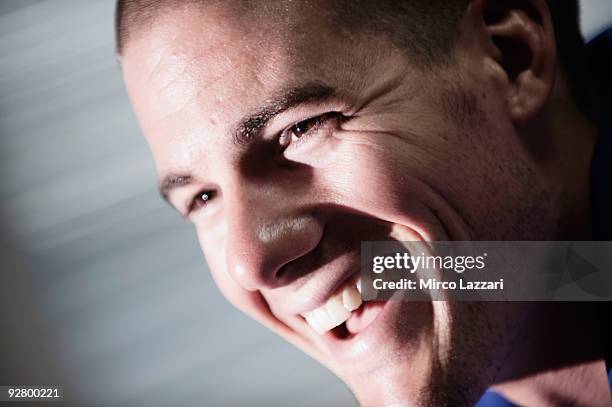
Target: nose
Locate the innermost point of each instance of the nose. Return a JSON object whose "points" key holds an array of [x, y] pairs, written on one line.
{"points": [[269, 226]]}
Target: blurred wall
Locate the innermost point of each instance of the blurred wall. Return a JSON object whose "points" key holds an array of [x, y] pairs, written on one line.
{"points": [[103, 288]]}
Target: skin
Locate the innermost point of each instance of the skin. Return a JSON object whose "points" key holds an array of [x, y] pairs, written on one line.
{"points": [[401, 153]]}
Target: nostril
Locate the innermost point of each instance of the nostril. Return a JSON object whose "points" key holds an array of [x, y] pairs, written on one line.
{"points": [[300, 266], [303, 264], [281, 272], [268, 252], [290, 271]]}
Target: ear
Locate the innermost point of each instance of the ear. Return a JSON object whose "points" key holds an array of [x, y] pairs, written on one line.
{"points": [[522, 43]]}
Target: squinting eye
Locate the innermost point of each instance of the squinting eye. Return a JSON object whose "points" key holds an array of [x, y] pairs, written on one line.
{"points": [[200, 200], [305, 128]]}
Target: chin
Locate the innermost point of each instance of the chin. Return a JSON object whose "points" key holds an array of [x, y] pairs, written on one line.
{"points": [[423, 353]]}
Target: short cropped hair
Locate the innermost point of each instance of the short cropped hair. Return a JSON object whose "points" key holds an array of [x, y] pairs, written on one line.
{"points": [[426, 29]]}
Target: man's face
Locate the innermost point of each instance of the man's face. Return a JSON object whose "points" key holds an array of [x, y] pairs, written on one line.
{"points": [[287, 144]]}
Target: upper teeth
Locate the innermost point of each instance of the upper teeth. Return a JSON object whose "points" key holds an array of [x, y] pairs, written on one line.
{"points": [[336, 310]]}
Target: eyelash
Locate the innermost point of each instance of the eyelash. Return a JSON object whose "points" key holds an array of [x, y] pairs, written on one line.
{"points": [[316, 122], [198, 201]]}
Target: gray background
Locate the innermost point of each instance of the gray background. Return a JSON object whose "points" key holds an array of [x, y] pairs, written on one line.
{"points": [[102, 288]]}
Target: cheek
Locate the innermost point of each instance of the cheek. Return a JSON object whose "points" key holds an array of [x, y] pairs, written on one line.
{"points": [[479, 174], [373, 166], [382, 176]]}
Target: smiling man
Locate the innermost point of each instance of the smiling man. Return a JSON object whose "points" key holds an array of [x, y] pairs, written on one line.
{"points": [[290, 131]]}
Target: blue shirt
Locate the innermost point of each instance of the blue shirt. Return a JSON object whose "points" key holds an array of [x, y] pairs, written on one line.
{"points": [[601, 196]]}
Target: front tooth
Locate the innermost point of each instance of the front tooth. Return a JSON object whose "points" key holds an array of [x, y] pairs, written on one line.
{"points": [[336, 310], [351, 298], [319, 320]]}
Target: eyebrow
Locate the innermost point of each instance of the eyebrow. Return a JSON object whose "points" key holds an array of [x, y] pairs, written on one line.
{"points": [[251, 125], [173, 181]]}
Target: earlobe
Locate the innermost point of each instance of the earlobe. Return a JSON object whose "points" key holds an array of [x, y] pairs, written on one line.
{"points": [[523, 39]]}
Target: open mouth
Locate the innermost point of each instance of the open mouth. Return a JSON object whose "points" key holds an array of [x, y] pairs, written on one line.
{"points": [[344, 314]]}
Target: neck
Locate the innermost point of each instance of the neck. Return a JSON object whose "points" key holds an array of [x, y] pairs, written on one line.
{"points": [[560, 360], [577, 136], [585, 384], [562, 139]]}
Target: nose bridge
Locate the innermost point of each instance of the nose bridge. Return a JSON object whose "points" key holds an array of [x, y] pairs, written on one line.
{"points": [[268, 227]]}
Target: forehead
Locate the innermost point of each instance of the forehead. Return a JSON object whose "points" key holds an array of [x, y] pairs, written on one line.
{"points": [[197, 70]]}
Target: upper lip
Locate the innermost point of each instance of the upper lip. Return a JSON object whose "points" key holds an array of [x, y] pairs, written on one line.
{"points": [[319, 287]]}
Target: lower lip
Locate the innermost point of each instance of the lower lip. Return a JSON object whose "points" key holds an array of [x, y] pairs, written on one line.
{"points": [[372, 337], [363, 317]]}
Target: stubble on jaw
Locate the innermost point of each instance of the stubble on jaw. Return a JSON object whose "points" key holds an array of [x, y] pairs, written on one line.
{"points": [[482, 338]]}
